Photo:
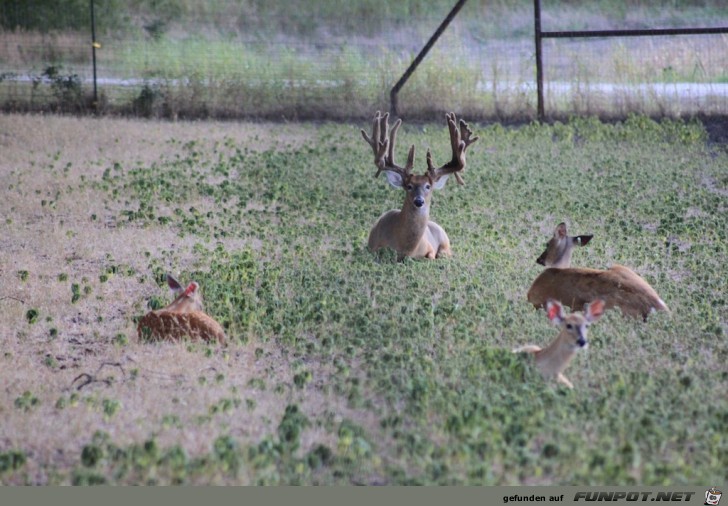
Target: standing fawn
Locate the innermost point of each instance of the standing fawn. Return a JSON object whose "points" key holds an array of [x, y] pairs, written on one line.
{"points": [[553, 360], [618, 286], [183, 317], [409, 230]]}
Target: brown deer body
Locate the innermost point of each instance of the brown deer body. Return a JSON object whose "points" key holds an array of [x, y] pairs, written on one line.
{"points": [[618, 286], [184, 317], [411, 233], [554, 359], [409, 230]]}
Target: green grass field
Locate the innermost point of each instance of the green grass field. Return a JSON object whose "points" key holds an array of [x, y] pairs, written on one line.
{"points": [[346, 367]]}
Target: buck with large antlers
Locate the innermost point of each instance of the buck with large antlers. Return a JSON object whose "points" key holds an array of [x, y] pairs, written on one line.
{"points": [[618, 286], [553, 360], [184, 317], [409, 230]]}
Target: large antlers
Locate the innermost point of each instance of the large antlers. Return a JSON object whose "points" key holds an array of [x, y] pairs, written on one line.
{"points": [[383, 139], [460, 139], [382, 143]]}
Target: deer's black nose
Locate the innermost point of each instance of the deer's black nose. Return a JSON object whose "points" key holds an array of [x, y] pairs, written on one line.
{"points": [[419, 202], [581, 342]]}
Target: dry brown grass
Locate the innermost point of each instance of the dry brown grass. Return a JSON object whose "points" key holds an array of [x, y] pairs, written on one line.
{"points": [[20, 48], [149, 380]]}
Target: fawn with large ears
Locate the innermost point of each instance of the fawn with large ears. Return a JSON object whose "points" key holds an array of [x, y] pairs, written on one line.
{"points": [[409, 230], [618, 286], [553, 360], [184, 317]]}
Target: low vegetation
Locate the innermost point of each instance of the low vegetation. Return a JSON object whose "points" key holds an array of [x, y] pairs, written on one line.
{"points": [[346, 367]]}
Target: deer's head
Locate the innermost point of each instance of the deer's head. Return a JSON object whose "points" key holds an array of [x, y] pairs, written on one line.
{"points": [[418, 188], [187, 299], [574, 326], [559, 248]]}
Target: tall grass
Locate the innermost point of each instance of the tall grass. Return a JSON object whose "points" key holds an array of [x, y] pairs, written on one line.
{"points": [[499, 18], [256, 59]]}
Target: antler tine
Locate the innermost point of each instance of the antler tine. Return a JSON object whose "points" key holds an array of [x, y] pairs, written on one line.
{"points": [[378, 140], [392, 139], [410, 160], [382, 142], [431, 171], [460, 139], [466, 133], [454, 132]]}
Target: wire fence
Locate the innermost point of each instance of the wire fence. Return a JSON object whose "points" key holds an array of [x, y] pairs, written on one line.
{"points": [[692, 89], [185, 71]]}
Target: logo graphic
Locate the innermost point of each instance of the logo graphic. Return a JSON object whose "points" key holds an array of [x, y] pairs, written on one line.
{"points": [[712, 496]]}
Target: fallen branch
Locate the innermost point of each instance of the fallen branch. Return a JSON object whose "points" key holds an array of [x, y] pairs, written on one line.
{"points": [[13, 298], [92, 378]]}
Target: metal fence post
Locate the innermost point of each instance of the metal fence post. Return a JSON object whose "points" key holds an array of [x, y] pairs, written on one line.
{"points": [[94, 45], [418, 59], [539, 59]]}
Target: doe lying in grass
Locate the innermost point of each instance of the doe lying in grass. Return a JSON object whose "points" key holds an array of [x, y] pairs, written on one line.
{"points": [[409, 230], [618, 286], [553, 359], [184, 317]]}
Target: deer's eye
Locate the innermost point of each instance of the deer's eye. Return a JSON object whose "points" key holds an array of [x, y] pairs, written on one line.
{"points": [[427, 187], [409, 187], [569, 326]]}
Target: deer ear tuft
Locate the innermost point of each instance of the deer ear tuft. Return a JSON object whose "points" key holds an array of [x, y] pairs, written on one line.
{"points": [[595, 310], [555, 311], [173, 284], [191, 288], [560, 231], [394, 179], [582, 240], [440, 183]]}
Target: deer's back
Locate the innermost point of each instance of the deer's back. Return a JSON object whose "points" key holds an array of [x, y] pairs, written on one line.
{"points": [[618, 286], [168, 325]]}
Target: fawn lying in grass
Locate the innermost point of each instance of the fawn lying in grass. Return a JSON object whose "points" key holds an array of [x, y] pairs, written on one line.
{"points": [[618, 286], [553, 359], [184, 317]]}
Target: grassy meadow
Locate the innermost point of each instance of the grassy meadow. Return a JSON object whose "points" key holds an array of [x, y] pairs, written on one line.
{"points": [[346, 367]]}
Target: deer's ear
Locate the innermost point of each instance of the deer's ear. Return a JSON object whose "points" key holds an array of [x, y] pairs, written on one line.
{"points": [[440, 183], [394, 179], [555, 311], [173, 284], [594, 310], [560, 231], [191, 289], [582, 240]]}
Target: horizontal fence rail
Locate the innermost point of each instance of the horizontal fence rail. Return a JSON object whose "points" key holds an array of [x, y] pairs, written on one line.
{"points": [[573, 34], [634, 33]]}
